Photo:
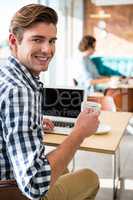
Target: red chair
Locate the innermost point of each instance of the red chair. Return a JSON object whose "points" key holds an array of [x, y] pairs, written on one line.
{"points": [[123, 98]]}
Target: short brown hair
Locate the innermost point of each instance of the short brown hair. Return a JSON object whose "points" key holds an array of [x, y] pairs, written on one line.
{"points": [[29, 15], [87, 42]]}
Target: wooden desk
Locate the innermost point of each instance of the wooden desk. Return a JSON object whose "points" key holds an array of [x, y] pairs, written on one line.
{"points": [[108, 143]]}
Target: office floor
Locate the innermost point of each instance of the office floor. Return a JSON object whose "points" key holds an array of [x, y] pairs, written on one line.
{"points": [[102, 165]]}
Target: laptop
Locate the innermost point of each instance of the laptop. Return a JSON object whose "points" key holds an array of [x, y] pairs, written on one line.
{"points": [[62, 106]]}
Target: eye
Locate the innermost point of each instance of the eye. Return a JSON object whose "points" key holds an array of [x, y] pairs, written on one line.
{"points": [[52, 41], [36, 40]]}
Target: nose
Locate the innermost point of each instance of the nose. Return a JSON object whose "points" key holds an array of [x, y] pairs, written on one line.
{"points": [[46, 47]]}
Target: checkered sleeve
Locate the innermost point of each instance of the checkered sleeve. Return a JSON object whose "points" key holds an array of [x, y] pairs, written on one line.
{"points": [[23, 136]]}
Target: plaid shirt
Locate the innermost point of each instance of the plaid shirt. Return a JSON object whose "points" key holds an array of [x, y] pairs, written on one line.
{"points": [[22, 153]]}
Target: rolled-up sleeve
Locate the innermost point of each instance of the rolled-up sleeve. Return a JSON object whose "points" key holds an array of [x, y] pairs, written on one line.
{"points": [[23, 136]]}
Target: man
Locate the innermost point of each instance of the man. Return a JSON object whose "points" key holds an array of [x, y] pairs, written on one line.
{"points": [[39, 175], [87, 75]]}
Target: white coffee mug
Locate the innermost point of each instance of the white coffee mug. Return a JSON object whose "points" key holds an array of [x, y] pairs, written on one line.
{"points": [[90, 104]]}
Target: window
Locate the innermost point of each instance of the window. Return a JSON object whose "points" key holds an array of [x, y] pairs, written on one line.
{"points": [[7, 9]]}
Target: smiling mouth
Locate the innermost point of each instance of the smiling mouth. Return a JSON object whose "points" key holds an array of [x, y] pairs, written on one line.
{"points": [[42, 59]]}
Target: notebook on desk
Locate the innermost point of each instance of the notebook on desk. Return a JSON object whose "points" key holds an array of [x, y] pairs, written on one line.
{"points": [[62, 106]]}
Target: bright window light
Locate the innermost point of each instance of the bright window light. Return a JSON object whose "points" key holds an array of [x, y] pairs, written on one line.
{"points": [[108, 183]]}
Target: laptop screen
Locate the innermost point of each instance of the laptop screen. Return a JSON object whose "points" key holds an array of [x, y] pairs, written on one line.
{"points": [[62, 102]]}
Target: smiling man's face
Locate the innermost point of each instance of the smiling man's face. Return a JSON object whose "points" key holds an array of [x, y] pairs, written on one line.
{"points": [[36, 48]]}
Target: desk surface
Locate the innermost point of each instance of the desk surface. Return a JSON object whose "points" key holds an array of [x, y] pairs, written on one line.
{"points": [[117, 82], [107, 143]]}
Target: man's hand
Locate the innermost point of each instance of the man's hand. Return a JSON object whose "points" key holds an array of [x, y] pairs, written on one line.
{"points": [[87, 123], [47, 124]]}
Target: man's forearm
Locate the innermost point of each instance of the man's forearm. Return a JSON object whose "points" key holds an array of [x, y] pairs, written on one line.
{"points": [[60, 158]]}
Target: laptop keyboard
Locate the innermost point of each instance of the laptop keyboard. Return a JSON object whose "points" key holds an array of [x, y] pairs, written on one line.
{"points": [[63, 124]]}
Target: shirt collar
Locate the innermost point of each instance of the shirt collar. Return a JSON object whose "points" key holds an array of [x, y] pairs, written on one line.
{"points": [[34, 81]]}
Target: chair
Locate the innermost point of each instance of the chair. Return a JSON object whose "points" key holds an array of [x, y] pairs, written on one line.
{"points": [[9, 190], [123, 98]]}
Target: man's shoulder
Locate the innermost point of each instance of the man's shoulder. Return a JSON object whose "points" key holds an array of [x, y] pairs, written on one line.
{"points": [[6, 74], [9, 80]]}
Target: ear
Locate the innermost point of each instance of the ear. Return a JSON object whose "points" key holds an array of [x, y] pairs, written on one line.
{"points": [[12, 39]]}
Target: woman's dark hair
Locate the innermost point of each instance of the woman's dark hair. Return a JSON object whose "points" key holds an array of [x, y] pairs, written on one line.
{"points": [[87, 42]]}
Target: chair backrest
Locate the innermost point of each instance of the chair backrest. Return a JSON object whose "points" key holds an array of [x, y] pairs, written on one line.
{"points": [[9, 190], [123, 98]]}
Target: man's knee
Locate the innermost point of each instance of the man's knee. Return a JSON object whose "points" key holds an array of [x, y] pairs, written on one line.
{"points": [[90, 182], [90, 177], [82, 180], [82, 184], [85, 183], [87, 177]]}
